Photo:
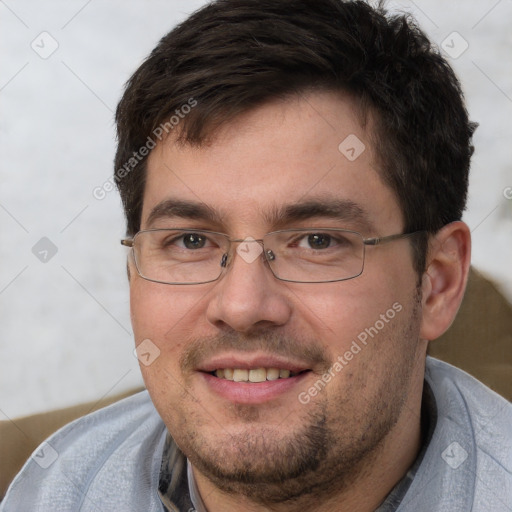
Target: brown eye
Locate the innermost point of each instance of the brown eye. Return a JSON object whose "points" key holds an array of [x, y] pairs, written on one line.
{"points": [[194, 241], [319, 241]]}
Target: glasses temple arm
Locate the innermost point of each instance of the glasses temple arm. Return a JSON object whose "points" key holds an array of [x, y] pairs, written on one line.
{"points": [[390, 238]]}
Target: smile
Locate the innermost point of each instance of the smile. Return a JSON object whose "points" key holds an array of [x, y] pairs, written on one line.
{"points": [[253, 374]]}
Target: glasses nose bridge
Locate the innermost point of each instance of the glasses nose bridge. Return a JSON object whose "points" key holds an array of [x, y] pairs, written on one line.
{"points": [[235, 244], [246, 239]]}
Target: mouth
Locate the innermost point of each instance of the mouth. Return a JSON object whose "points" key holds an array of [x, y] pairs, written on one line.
{"points": [[254, 374], [253, 379]]}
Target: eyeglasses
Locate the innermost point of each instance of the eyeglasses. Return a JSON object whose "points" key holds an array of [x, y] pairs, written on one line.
{"points": [[192, 256]]}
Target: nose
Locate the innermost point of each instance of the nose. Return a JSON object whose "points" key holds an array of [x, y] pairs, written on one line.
{"points": [[248, 296]]}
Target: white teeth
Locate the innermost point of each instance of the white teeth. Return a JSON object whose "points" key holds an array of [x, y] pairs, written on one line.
{"points": [[273, 374], [253, 375], [241, 375], [258, 375]]}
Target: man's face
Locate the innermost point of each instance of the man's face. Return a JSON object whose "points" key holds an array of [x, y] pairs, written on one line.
{"points": [[286, 432]]}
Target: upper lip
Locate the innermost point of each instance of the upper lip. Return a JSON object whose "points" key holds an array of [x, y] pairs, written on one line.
{"points": [[249, 361]]}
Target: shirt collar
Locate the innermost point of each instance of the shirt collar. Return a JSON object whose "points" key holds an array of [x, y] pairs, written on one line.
{"points": [[428, 425]]}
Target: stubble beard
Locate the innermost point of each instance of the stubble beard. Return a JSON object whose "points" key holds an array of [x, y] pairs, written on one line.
{"points": [[330, 449]]}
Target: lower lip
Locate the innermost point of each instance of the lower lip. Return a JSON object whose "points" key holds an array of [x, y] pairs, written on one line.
{"points": [[252, 392]]}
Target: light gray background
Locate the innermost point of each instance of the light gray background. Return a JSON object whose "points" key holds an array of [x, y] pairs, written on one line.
{"points": [[64, 323]]}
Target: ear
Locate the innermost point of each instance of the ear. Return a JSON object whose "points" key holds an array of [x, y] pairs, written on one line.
{"points": [[444, 280]]}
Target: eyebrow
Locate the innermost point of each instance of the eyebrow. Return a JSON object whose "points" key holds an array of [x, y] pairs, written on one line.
{"points": [[184, 209], [343, 210]]}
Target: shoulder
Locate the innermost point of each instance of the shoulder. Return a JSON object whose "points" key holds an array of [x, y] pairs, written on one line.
{"points": [[108, 459], [475, 426], [490, 413]]}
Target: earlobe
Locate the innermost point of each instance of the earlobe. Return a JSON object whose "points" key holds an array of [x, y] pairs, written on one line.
{"points": [[444, 280]]}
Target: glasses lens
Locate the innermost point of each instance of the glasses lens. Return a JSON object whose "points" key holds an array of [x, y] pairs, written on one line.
{"points": [[300, 255], [315, 255], [179, 256]]}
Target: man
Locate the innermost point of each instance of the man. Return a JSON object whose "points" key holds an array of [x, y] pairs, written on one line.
{"points": [[293, 175]]}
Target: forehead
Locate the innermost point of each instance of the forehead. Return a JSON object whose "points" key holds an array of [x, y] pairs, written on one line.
{"points": [[307, 149]]}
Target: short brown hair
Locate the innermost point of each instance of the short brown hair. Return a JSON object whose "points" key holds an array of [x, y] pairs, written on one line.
{"points": [[233, 55]]}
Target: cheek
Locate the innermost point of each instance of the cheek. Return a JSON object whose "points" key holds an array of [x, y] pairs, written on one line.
{"points": [[341, 312], [366, 336], [163, 315]]}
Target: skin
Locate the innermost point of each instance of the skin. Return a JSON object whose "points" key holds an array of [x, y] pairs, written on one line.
{"points": [[349, 446]]}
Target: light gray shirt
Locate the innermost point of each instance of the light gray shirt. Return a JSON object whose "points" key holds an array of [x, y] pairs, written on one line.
{"points": [[117, 459]]}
